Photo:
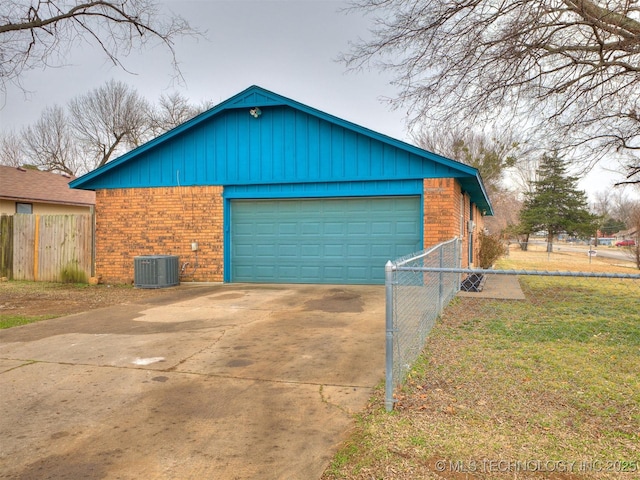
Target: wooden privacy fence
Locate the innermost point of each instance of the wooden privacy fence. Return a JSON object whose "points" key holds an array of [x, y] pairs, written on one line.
{"points": [[48, 248]]}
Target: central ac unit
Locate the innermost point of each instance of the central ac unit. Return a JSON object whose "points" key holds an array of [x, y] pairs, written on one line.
{"points": [[156, 271]]}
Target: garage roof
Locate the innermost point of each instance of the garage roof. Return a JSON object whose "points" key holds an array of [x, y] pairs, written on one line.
{"points": [[283, 141]]}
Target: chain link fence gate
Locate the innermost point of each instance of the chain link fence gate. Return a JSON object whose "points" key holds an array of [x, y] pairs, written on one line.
{"points": [[418, 287]]}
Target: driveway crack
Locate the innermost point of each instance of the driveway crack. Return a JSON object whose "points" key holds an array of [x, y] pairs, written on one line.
{"points": [[197, 352]]}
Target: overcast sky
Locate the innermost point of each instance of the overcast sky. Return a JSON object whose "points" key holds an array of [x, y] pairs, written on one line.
{"points": [[288, 46]]}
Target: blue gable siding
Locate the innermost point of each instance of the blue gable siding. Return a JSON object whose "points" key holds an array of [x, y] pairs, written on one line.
{"points": [[281, 146], [289, 143]]}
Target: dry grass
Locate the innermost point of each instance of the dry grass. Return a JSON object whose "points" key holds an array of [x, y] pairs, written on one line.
{"points": [[546, 388], [564, 259], [26, 302]]}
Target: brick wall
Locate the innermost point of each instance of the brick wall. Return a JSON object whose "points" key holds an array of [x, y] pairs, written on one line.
{"points": [[159, 221], [447, 212], [165, 221], [441, 210]]}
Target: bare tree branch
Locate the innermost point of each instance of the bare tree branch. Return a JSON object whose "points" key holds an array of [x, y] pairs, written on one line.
{"points": [[37, 33], [94, 128], [561, 69], [172, 110], [108, 121], [49, 144], [11, 150]]}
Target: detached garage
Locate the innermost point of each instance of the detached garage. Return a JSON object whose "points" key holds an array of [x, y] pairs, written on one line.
{"points": [[264, 189]]}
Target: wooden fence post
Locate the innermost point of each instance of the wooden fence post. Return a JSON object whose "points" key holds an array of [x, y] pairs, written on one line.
{"points": [[6, 246]]}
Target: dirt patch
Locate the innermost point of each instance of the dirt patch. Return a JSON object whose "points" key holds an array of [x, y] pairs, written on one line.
{"points": [[54, 299]]}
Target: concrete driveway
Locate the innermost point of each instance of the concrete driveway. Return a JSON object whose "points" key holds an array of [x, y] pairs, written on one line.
{"points": [[204, 382]]}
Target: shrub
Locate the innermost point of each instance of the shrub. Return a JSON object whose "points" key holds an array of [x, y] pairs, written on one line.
{"points": [[491, 249], [72, 274]]}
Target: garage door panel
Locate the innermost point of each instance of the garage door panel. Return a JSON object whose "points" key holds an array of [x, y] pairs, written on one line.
{"points": [[358, 228], [285, 208], [307, 271], [288, 228], [334, 228], [361, 273], [406, 228], [333, 273], [290, 250], [403, 249], [264, 228], [311, 228], [333, 251], [244, 271], [313, 251], [334, 208], [263, 250], [361, 250], [243, 250], [321, 240], [288, 272], [244, 228]]}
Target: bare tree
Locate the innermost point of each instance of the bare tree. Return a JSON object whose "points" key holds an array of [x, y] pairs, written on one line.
{"points": [[109, 121], [601, 204], [524, 173], [49, 143], [11, 150], [567, 70], [172, 110], [506, 209], [38, 33], [95, 128], [624, 207], [492, 155]]}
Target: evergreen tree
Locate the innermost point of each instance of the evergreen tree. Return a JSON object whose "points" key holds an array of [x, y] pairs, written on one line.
{"points": [[612, 225], [555, 205]]}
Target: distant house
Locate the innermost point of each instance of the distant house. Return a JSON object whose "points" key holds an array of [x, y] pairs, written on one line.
{"points": [[631, 234], [24, 190], [262, 188]]}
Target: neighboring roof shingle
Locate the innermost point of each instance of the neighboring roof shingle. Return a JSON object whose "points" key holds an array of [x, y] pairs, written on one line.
{"points": [[28, 185]]}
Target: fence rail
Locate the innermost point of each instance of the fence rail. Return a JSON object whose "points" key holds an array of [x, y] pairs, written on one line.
{"points": [[420, 286], [542, 273], [52, 248]]}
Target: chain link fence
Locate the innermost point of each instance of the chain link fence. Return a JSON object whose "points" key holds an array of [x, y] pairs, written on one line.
{"points": [[551, 291], [414, 299]]}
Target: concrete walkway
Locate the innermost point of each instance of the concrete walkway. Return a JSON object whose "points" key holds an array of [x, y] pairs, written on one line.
{"points": [[213, 382], [501, 287]]}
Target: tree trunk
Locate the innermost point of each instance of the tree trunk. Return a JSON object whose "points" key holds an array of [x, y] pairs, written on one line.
{"points": [[550, 242]]}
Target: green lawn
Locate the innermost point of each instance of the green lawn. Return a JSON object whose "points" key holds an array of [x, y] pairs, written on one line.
{"points": [[540, 388], [8, 321]]}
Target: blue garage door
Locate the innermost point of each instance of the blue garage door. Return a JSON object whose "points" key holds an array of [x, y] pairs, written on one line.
{"points": [[334, 240]]}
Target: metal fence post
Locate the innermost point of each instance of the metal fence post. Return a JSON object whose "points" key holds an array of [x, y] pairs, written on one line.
{"points": [[388, 284], [441, 279], [457, 262]]}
